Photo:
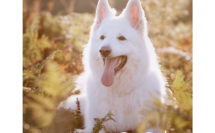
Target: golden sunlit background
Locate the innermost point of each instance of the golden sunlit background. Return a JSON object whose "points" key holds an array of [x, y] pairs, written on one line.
{"points": [[54, 33]]}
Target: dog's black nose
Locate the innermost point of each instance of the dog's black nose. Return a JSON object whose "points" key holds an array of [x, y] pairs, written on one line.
{"points": [[105, 51]]}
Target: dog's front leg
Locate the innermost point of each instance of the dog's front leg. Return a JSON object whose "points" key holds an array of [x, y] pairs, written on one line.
{"points": [[74, 102]]}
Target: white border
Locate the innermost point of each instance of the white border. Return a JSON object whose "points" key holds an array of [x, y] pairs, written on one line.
{"points": [[11, 66], [204, 66]]}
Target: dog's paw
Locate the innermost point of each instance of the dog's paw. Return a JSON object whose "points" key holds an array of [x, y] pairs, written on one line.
{"points": [[79, 131], [154, 130]]}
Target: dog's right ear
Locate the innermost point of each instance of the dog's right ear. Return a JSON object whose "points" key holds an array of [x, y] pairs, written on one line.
{"points": [[103, 11], [135, 14]]}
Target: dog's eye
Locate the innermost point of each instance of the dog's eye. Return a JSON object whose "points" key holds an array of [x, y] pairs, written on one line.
{"points": [[121, 38], [102, 37]]}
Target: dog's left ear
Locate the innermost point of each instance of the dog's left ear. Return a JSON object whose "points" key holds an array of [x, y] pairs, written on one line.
{"points": [[103, 10], [135, 14]]}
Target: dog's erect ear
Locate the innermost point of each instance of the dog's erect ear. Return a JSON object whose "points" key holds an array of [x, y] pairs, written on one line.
{"points": [[103, 10], [134, 13]]}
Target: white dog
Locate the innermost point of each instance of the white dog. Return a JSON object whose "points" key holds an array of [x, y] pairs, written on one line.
{"points": [[121, 71]]}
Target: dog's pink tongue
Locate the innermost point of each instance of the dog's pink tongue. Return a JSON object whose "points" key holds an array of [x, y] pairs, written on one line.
{"points": [[108, 74]]}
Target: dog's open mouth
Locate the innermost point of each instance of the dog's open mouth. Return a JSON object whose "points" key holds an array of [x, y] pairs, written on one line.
{"points": [[111, 67]]}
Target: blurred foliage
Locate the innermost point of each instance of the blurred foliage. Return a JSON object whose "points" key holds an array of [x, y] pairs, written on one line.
{"points": [[171, 118], [52, 52]]}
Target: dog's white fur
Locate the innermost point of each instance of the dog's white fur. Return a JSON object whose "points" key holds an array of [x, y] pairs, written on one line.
{"points": [[134, 84]]}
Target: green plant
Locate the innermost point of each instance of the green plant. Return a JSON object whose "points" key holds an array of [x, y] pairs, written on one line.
{"points": [[99, 122]]}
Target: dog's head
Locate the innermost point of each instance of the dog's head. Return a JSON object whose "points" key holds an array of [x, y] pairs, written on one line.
{"points": [[117, 42]]}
